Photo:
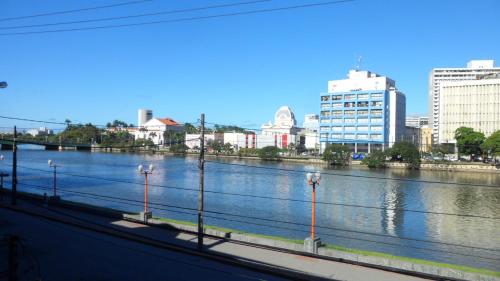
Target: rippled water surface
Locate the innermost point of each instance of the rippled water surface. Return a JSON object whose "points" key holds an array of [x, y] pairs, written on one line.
{"points": [[405, 212]]}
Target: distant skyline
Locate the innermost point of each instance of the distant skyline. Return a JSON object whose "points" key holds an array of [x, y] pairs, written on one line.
{"points": [[237, 70]]}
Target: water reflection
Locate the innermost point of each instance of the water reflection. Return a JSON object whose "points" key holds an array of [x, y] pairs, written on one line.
{"points": [[341, 192]]}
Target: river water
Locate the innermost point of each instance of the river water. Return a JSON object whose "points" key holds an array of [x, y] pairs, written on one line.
{"points": [[440, 211]]}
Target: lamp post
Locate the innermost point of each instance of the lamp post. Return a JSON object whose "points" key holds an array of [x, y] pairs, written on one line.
{"points": [[312, 243], [2, 175], [146, 214], [54, 196]]}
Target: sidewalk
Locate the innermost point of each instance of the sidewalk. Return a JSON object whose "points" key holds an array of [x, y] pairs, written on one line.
{"points": [[302, 265]]}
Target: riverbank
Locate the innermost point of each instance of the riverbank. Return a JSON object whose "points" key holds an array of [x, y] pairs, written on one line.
{"points": [[354, 256]]}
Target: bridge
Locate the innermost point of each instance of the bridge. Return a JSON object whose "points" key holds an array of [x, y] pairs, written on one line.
{"points": [[7, 145]]}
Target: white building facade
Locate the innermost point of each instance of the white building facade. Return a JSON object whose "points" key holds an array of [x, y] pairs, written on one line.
{"points": [[365, 111], [155, 129], [470, 103], [416, 121], [474, 70]]}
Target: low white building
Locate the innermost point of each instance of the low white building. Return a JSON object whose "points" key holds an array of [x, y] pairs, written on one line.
{"points": [[42, 131], [155, 129]]}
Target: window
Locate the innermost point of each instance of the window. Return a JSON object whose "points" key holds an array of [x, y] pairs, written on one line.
{"points": [[336, 104], [323, 136], [376, 103], [350, 97], [325, 113], [363, 120], [350, 112], [325, 121], [349, 136], [362, 104], [376, 128], [349, 120], [376, 95], [376, 137], [362, 136], [337, 113], [349, 104], [325, 128], [363, 112], [377, 120], [350, 128], [325, 98], [363, 96], [336, 97], [336, 121], [336, 136], [325, 105], [362, 128], [337, 129], [376, 112]]}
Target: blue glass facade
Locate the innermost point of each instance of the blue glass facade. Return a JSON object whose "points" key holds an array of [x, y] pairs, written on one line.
{"points": [[355, 117]]}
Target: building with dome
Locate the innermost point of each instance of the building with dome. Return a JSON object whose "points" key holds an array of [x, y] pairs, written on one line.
{"points": [[282, 133]]}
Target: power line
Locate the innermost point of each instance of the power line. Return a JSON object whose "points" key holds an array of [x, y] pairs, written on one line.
{"points": [[137, 15], [284, 228], [263, 219], [353, 176], [75, 10], [275, 198], [182, 19]]}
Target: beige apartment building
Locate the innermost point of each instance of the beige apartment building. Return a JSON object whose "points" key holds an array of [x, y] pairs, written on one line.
{"points": [[470, 103], [474, 69], [426, 139]]}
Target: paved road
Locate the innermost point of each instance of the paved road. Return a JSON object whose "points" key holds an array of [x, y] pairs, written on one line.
{"points": [[71, 253]]}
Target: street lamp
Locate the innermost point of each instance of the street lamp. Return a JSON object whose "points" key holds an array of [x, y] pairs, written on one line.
{"points": [[146, 214], [312, 243], [2, 175], [54, 195]]}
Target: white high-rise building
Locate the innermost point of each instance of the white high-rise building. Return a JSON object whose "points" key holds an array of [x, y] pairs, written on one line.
{"points": [[474, 70], [365, 111], [471, 103], [143, 116], [416, 121]]}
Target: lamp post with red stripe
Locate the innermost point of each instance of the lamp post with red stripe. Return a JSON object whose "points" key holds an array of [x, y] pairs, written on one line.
{"points": [[146, 214], [312, 243]]}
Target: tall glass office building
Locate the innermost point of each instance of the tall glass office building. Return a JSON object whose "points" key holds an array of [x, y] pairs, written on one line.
{"points": [[365, 112]]}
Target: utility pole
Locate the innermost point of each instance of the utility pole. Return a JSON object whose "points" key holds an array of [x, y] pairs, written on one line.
{"points": [[14, 169], [201, 166]]}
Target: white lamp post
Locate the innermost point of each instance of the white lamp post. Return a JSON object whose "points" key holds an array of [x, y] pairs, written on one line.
{"points": [[312, 243], [146, 214]]}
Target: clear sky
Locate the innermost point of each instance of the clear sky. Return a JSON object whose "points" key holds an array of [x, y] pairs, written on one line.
{"points": [[237, 70]]}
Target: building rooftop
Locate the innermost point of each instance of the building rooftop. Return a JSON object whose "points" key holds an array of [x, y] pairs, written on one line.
{"points": [[168, 121]]}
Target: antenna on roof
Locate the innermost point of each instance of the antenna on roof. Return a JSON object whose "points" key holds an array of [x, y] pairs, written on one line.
{"points": [[360, 60]]}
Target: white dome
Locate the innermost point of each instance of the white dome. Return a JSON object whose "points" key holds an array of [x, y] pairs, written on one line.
{"points": [[284, 117]]}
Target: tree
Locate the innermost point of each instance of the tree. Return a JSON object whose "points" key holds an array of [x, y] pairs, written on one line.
{"points": [[215, 146], [228, 148], [269, 152], [375, 159], [492, 144], [179, 148], [442, 149], [469, 141], [405, 152], [190, 129], [337, 154]]}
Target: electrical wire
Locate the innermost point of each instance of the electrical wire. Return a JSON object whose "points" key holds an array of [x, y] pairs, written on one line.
{"points": [[132, 201], [268, 10], [353, 176], [137, 15], [74, 11], [274, 198]]}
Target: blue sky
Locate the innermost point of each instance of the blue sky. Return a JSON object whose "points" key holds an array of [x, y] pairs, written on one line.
{"points": [[237, 70]]}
